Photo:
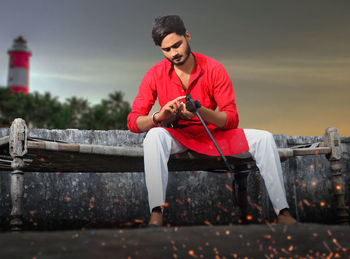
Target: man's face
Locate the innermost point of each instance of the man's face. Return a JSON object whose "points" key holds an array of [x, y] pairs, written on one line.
{"points": [[176, 48]]}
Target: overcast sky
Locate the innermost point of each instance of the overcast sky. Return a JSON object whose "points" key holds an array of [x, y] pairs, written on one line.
{"points": [[289, 61]]}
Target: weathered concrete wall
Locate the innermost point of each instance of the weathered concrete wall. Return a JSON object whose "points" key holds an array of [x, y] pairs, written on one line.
{"points": [[76, 200]]}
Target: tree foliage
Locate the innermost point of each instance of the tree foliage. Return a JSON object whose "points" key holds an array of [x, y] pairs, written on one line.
{"points": [[45, 111]]}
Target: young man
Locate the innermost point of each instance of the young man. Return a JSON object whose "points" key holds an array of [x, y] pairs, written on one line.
{"points": [[180, 73]]}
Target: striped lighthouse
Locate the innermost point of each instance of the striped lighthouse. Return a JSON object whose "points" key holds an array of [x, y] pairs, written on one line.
{"points": [[18, 75]]}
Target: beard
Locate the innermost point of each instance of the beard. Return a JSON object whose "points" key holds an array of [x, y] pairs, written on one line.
{"points": [[180, 63]]}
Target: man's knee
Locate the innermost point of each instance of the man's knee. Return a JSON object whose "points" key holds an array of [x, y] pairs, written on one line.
{"points": [[267, 134], [154, 135], [264, 136]]}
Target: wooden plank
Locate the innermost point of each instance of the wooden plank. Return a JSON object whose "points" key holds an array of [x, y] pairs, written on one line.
{"points": [[311, 151], [88, 149]]}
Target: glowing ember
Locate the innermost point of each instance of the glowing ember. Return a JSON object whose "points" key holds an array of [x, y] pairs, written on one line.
{"points": [[289, 237], [228, 187], [191, 253], [306, 202], [291, 248], [207, 223], [221, 207], [338, 187], [267, 236], [249, 217], [322, 203], [284, 251], [166, 204], [336, 243]]}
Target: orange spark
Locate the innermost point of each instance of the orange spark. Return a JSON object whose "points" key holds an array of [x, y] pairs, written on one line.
{"points": [[267, 236], [207, 223], [221, 207], [228, 187], [306, 202], [336, 243]]}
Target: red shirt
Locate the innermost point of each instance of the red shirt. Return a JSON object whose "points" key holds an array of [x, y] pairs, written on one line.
{"points": [[210, 84]]}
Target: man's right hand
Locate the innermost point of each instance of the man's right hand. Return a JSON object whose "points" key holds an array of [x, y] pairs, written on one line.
{"points": [[170, 109], [145, 123]]}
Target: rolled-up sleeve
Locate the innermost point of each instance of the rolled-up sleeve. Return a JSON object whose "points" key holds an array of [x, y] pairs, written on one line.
{"points": [[143, 102], [224, 96]]}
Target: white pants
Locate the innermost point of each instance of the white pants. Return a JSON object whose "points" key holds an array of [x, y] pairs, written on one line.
{"points": [[159, 145]]}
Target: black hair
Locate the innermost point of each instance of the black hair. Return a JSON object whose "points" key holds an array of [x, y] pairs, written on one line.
{"points": [[164, 25]]}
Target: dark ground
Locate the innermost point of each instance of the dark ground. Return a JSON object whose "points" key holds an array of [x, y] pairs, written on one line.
{"points": [[238, 241]]}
